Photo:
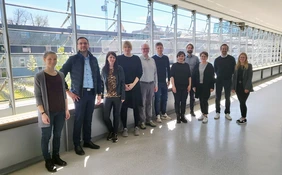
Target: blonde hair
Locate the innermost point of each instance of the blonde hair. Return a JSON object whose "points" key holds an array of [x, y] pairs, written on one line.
{"points": [[246, 63], [127, 44]]}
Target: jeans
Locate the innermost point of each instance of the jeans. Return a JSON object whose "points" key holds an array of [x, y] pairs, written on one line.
{"points": [[109, 103], [161, 99], [220, 84], [57, 120]]}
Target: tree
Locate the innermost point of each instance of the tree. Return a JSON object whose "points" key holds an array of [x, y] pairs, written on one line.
{"points": [[31, 63], [20, 17], [40, 21]]}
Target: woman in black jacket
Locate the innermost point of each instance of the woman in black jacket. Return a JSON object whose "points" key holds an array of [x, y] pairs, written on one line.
{"points": [[242, 84], [203, 84], [113, 78]]}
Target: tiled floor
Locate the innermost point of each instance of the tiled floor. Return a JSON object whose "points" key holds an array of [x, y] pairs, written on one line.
{"points": [[220, 147]]}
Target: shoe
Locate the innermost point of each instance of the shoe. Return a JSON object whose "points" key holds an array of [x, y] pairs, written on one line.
{"points": [[125, 132], [78, 150], [136, 131], [142, 125], [217, 116], [178, 119], [165, 117], [192, 114], [110, 136], [205, 120], [91, 145], [58, 161], [151, 123], [227, 116], [115, 137], [241, 121], [183, 119], [159, 119], [50, 165], [201, 118]]}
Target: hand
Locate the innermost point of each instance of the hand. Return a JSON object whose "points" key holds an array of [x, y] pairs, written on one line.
{"points": [[156, 89], [189, 88], [247, 91], [131, 86], [99, 99], [45, 119], [194, 89], [127, 87], [173, 89], [73, 96], [233, 90], [211, 90], [67, 114], [122, 101], [168, 83]]}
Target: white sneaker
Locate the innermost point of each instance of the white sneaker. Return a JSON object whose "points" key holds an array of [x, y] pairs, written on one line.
{"points": [[201, 117], [217, 116], [227, 116], [159, 119], [165, 117], [125, 132], [136, 131], [205, 120]]}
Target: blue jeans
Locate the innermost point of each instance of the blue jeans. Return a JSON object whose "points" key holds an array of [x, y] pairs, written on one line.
{"points": [[57, 120], [161, 99]]}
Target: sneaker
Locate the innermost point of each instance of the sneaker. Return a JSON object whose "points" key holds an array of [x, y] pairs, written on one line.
{"points": [[205, 120], [165, 117], [50, 166], [201, 118], [125, 132], [227, 116], [159, 119], [142, 125], [217, 116], [183, 119], [136, 131], [151, 123], [241, 121], [115, 137], [192, 114], [110, 136]]}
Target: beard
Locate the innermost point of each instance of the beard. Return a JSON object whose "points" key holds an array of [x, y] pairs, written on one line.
{"points": [[190, 51]]}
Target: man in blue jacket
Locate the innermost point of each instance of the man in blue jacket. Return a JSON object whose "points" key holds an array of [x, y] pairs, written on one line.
{"points": [[85, 85]]}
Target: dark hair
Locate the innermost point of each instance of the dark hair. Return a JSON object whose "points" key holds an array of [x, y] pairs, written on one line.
{"points": [[159, 44], [205, 53], [224, 45], [106, 67], [82, 37], [190, 45], [49, 53], [180, 53]]}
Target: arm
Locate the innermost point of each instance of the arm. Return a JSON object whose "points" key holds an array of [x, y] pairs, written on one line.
{"points": [[212, 77], [155, 77], [250, 77], [168, 71], [172, 74], [122, 84], [99, 83], [66, 68], [139, 72]]}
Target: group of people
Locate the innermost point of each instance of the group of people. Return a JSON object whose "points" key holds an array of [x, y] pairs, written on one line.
{"points": [[129, 81]]}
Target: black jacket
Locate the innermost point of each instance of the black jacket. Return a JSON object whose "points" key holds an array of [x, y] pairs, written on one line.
{"points": [[247, 79]]}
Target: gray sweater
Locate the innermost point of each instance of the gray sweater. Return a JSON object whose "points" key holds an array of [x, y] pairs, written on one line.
{"points": [[40, 93]]}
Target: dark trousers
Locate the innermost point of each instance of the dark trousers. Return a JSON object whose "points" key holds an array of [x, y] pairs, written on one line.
{"points": [[161, 99], [109, 103], [203, 99], [220, 84], [192, 99], [124, 108], [83, 116], [180, 98], [57, 120], [242, 97]]}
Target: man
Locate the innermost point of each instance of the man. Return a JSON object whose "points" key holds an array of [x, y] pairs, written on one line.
{"points": [[163, 71], [85, 84], [192, 60], [149, 85], [224, 68]]}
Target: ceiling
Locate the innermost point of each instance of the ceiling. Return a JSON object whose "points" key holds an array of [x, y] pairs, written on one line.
{"points": [[261, 14]]}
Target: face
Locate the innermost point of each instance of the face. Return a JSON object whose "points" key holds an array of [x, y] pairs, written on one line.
{"points": [[145, 49], [111, 59], [181, 58], [204, 58], [160, 50], [50, 60], [224, 50], [82, 45], [127, 50], [189, 49], [242, 58]]}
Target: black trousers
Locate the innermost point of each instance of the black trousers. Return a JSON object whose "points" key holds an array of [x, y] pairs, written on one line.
{"points": [[109, 103], [242, 97], [180, 98], [136, 115], [192, 99], [220, 84], [203, 98]]}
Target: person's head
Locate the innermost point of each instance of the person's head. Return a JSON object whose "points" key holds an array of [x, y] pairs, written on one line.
{"points": [[159, 48], [145, 49], [224, 49], [50, 59], [127, 47], [242, 61], [82, 44], [204, 56], [180, 56], [111, 61], [189, 48]]}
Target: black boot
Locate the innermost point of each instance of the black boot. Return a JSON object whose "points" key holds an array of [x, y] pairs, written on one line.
{"points": [[110, 136], [50, 165], [178, 118], [115, 137], [183, 119], [58, 161]]}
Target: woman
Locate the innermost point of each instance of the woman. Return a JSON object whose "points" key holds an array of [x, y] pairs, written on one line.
{"points": [[203, 84], [132, 68], [113, 78], [181, 85], [242, 84], [52, 104]]}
